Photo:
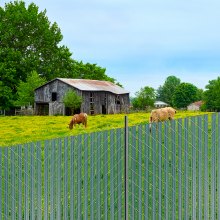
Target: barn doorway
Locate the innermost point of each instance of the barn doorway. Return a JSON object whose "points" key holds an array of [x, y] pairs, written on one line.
{"points": [[104, 110], [42, 109]]}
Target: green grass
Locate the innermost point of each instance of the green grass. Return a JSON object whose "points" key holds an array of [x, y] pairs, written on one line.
{"points": [[23, 129]]}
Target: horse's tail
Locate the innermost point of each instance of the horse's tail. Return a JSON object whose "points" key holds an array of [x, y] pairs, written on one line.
{"points": [[85, 116]]}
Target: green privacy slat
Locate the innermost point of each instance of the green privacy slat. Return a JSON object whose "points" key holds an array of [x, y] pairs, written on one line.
{"points": [[98, 159], [160, 170], [32, 181], [20, 190], [46, 158], [72, 179], [86, 177], [13, 186], [206, 179], [106, 196], [39, 181], [6, 179], [1, 185], [26, 177], [126, 165], [166, 148], [133, 171], [180, 134], [173, 136], [52, 179], [186, 173], [139, 172], [213, 167], [112, 194], [79, 176], [119, 170], [200, 153], [59, 179], [193, 136], [92, 174], [154, 150], [65, 207], [218, 161], [146, 174]]}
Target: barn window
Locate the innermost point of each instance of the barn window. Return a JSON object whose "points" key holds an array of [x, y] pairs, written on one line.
{"points": [[117, 100], [92, 110], [54, 96], [91, 97]]}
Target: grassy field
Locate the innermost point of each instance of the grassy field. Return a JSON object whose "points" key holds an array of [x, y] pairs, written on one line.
{"points": [[18, 130], [23, 129]]}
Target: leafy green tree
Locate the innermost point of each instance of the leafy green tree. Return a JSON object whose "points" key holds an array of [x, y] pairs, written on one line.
{"points": [[212, 95], [26, 89], [90, 71], [200, 94], [5, 96], [144, 98], [30, 42], [185, 94], [72, 100], [165, 93], [159, 93]]}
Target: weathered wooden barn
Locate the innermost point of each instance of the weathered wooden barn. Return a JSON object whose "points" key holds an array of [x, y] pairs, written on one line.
{"points": [[99, 97]]}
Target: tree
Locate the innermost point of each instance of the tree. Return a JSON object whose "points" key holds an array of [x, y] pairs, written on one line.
{"points": [[165, 92], [5, 96], [30, 42], [185, 94], [159, 93], [72, 100], [26, 89], [212, 95], [200, 94], [144, 98], [90, 71]]}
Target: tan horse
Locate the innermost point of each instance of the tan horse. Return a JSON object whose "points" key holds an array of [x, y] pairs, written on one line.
{"points": [[162, 114], [78, 119]]}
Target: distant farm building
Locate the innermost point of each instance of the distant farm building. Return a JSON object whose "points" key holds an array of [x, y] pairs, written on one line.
{"points": [[99, 97], [195, 106], [160, 104]]}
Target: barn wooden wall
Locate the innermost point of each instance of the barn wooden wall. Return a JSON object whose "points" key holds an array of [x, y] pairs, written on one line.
{"points": [[100, 100]]}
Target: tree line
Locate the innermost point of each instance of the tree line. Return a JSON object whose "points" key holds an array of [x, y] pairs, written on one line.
{"points": [[179, 95], [31, 53]]}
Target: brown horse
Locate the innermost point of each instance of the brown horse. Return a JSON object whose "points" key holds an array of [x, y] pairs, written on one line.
{"points": [[78, 119]]}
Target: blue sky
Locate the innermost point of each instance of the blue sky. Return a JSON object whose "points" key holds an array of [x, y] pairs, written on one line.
{"points": [[141, 43]]}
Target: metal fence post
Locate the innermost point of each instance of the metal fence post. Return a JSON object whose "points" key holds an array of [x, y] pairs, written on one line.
{"points": [[126, 167]]}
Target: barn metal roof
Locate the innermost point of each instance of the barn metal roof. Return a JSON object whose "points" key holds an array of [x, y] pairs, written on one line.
{"points": [[94, 85], [198, 103]]}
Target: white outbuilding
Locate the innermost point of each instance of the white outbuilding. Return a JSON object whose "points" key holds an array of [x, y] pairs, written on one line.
{"points": [[160, 104]]}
